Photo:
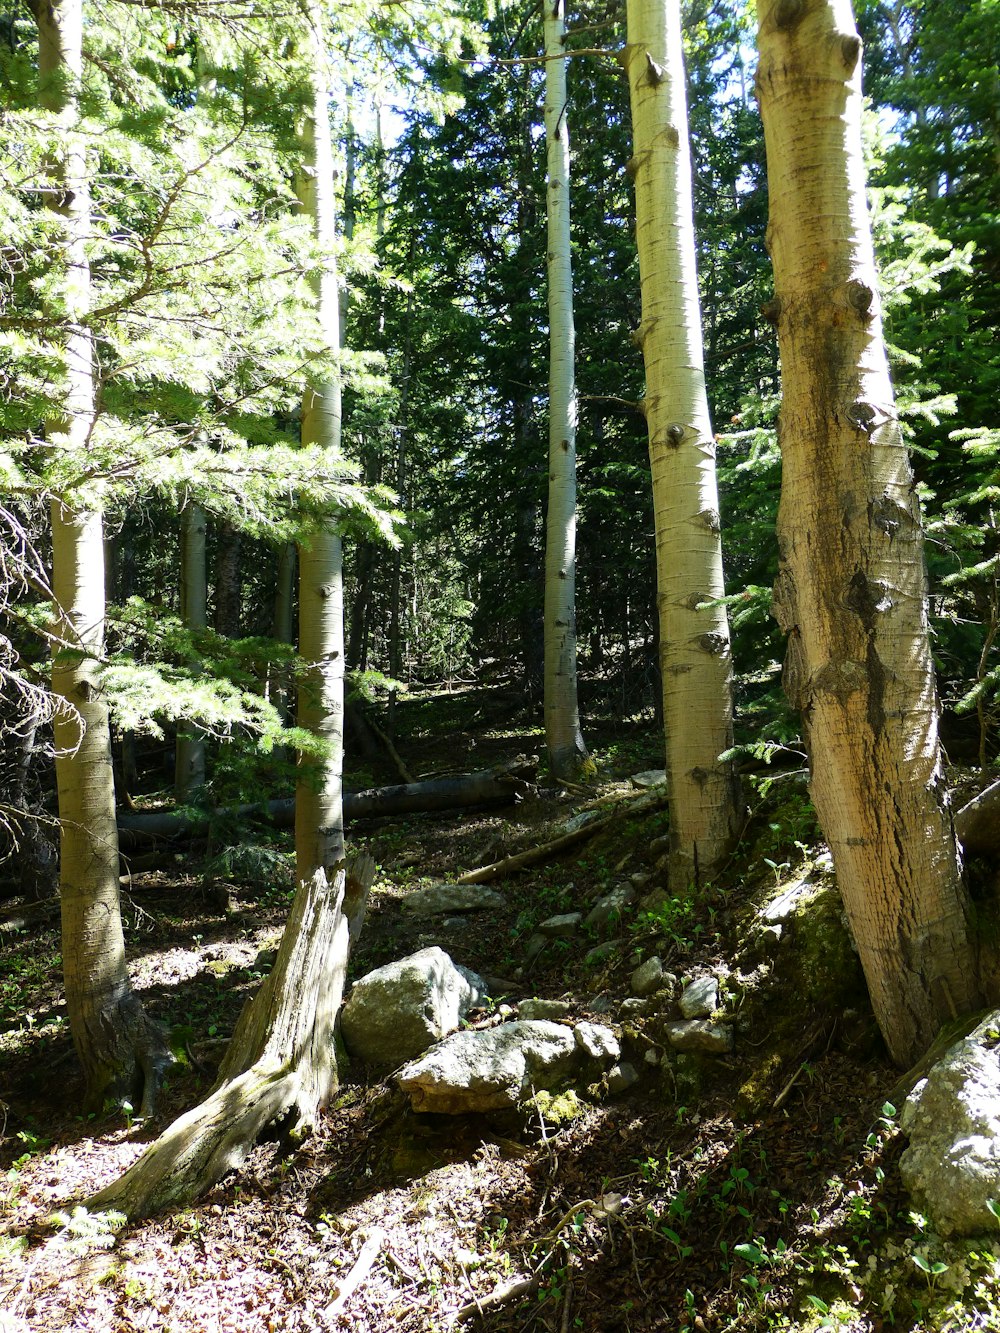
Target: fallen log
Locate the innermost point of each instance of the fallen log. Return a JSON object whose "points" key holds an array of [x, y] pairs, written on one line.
{"points": [[977, 824], [500, 786], [653, 800]]}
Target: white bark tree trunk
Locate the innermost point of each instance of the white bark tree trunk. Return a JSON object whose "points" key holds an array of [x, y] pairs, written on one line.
{"points": [[851, 588], [566, 750], [694, 638], [122, 1054], [319, 817]]}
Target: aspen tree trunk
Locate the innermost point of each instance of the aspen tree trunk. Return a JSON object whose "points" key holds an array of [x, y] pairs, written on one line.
{"points": [[319, 815], [122, 1054], [280, 1065], [189, 757], [851, 588], [566, 750], [695, 659]]}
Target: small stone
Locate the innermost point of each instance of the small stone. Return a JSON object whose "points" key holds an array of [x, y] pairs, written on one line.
{"points": [[633, 1007], [622, 1077], [552, 1010], [599, 954], [640, 879], [608, 910], [597, 1042], [534, 948], [648, 976], [652, 1056], [659, 846], [581, 820], [699, 1035], [558, 927], [700, 999], [649, 777]]}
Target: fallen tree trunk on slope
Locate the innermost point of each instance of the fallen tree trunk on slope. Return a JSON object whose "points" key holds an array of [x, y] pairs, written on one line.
{"points": [[977, 824], [654, 800], [500, 786], [280, 1066]]}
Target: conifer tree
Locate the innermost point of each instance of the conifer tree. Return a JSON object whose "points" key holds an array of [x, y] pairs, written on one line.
{"points": [[121, 1052]]}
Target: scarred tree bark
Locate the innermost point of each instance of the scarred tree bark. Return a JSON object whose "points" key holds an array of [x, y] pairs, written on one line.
{"points": [[122, 1053], [696, 664], [851, 588]]}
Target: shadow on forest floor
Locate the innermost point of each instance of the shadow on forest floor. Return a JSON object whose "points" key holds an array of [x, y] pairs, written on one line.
{"points": [[754, 1191]]}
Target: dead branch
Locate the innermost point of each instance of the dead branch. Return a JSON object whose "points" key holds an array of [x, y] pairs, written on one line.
{"points": [[654, 800]]}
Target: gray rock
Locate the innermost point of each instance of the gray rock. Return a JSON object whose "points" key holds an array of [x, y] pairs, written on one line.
{"points": [[633, 1007], [599, 954], [532, 950], [552, 1010], [557, 927], [448, 898], [649, 777], [399, 1010], [699, 1035], [490, 1070], [607, 911], [652, 1056], [952, 1166], [622, 1077], [581, 820], [700, 999], [647, 977], [597, 1042]]}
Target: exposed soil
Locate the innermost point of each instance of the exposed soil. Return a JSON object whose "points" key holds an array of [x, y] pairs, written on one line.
{"points": [[753, 1191]]}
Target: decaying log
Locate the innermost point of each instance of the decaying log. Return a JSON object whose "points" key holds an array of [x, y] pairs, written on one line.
{"points": [[500, 786], [654, 800], [977, 824], [280, 1066]]}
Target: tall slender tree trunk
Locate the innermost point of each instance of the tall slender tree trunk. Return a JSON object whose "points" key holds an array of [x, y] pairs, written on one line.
{"points": [[228, 580], [283, 624], [121, 1052], [319, 818], [189, 757], [281, 1062], [564, 739], [851, 590], [696, 664]]}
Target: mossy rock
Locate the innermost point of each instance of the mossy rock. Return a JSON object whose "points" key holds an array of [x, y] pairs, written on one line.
{"points": [[556, 1108]]}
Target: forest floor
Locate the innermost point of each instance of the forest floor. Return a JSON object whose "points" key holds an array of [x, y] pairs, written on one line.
{"points": [[754, 1191]]}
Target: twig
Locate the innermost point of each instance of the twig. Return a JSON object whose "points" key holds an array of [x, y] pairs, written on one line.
{"points": [[362, 1267], [511, 1291], [782, 1096]]}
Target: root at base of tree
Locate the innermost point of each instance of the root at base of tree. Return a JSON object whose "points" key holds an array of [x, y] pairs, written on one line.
{"points": [[280, 1066]]}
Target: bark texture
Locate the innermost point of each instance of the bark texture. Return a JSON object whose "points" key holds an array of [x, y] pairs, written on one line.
{"points": [[279, 1067], [319, 816], [851, 587], [122, 1054], [696, 664], [566, 749]]}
